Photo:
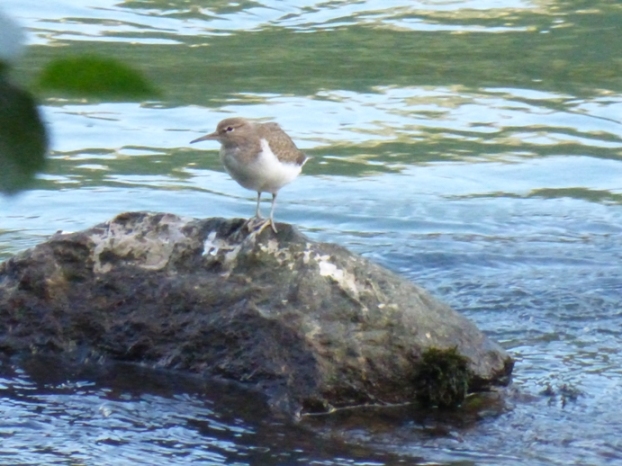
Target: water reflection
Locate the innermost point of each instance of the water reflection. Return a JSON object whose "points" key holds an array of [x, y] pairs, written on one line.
{"points": [[389, 126]]}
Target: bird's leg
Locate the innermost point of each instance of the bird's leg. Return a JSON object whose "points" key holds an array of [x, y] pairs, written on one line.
{"points": [[257, 211], [272, 213], [252, 222], [269, 221]]}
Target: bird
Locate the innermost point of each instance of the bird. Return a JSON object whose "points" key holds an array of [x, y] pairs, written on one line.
{"points": [[260, 157]]}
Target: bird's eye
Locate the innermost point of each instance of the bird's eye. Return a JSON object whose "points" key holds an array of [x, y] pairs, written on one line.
{"points": [[229, 129]]}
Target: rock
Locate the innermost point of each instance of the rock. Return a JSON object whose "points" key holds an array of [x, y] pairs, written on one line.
{"points": [[311, 325]]}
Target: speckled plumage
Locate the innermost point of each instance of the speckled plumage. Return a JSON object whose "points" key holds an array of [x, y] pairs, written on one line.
{"points": [[259, 156]]}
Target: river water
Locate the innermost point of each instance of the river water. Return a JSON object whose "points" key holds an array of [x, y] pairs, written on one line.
{"points": [[474, 147]]}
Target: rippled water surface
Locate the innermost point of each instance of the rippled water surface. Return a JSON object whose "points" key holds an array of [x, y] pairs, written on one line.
{"points": [[472, 146]]}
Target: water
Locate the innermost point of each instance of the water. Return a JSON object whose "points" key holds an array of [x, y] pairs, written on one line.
{"points": [[474, 147]]}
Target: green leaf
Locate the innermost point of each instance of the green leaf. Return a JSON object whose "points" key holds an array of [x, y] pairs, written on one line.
{"points": [[23, 140], [95, 76]]}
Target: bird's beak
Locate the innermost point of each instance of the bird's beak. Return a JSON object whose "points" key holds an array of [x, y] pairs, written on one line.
{"points": [[211, 136]]}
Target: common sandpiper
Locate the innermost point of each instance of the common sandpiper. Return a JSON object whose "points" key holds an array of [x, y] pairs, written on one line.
{"points": [[260, 157]]}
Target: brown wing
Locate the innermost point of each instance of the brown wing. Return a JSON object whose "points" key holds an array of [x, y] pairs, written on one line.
{"points": [[281, 144]]}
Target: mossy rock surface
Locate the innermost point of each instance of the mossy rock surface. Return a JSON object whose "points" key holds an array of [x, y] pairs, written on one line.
{"points": [[443, 378], [311, 325]]}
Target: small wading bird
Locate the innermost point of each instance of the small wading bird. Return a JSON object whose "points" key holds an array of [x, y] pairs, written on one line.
{"points": [[260, 157]]}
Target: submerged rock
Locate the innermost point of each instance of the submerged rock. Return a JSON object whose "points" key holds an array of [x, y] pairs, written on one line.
{"points": [[311, 325]]}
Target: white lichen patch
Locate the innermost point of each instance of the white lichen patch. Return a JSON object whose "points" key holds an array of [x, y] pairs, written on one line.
{"points": [[142, 245], [282, 255], [211, 245], [307, 254], [344, 279], [271, 247]]}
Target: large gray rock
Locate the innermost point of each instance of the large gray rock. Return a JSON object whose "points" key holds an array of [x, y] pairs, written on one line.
{"points": [[311, 325]]}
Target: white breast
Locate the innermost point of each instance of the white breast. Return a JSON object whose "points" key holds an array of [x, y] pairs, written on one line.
{"points": [[266, 173]]}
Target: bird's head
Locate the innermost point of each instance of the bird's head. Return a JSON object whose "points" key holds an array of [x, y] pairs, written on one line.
{"points": [[229, 131]]}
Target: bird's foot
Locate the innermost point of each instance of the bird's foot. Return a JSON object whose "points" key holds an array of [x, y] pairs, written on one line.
{"points": [[266, 223], [252, 223], [259, 224]]}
